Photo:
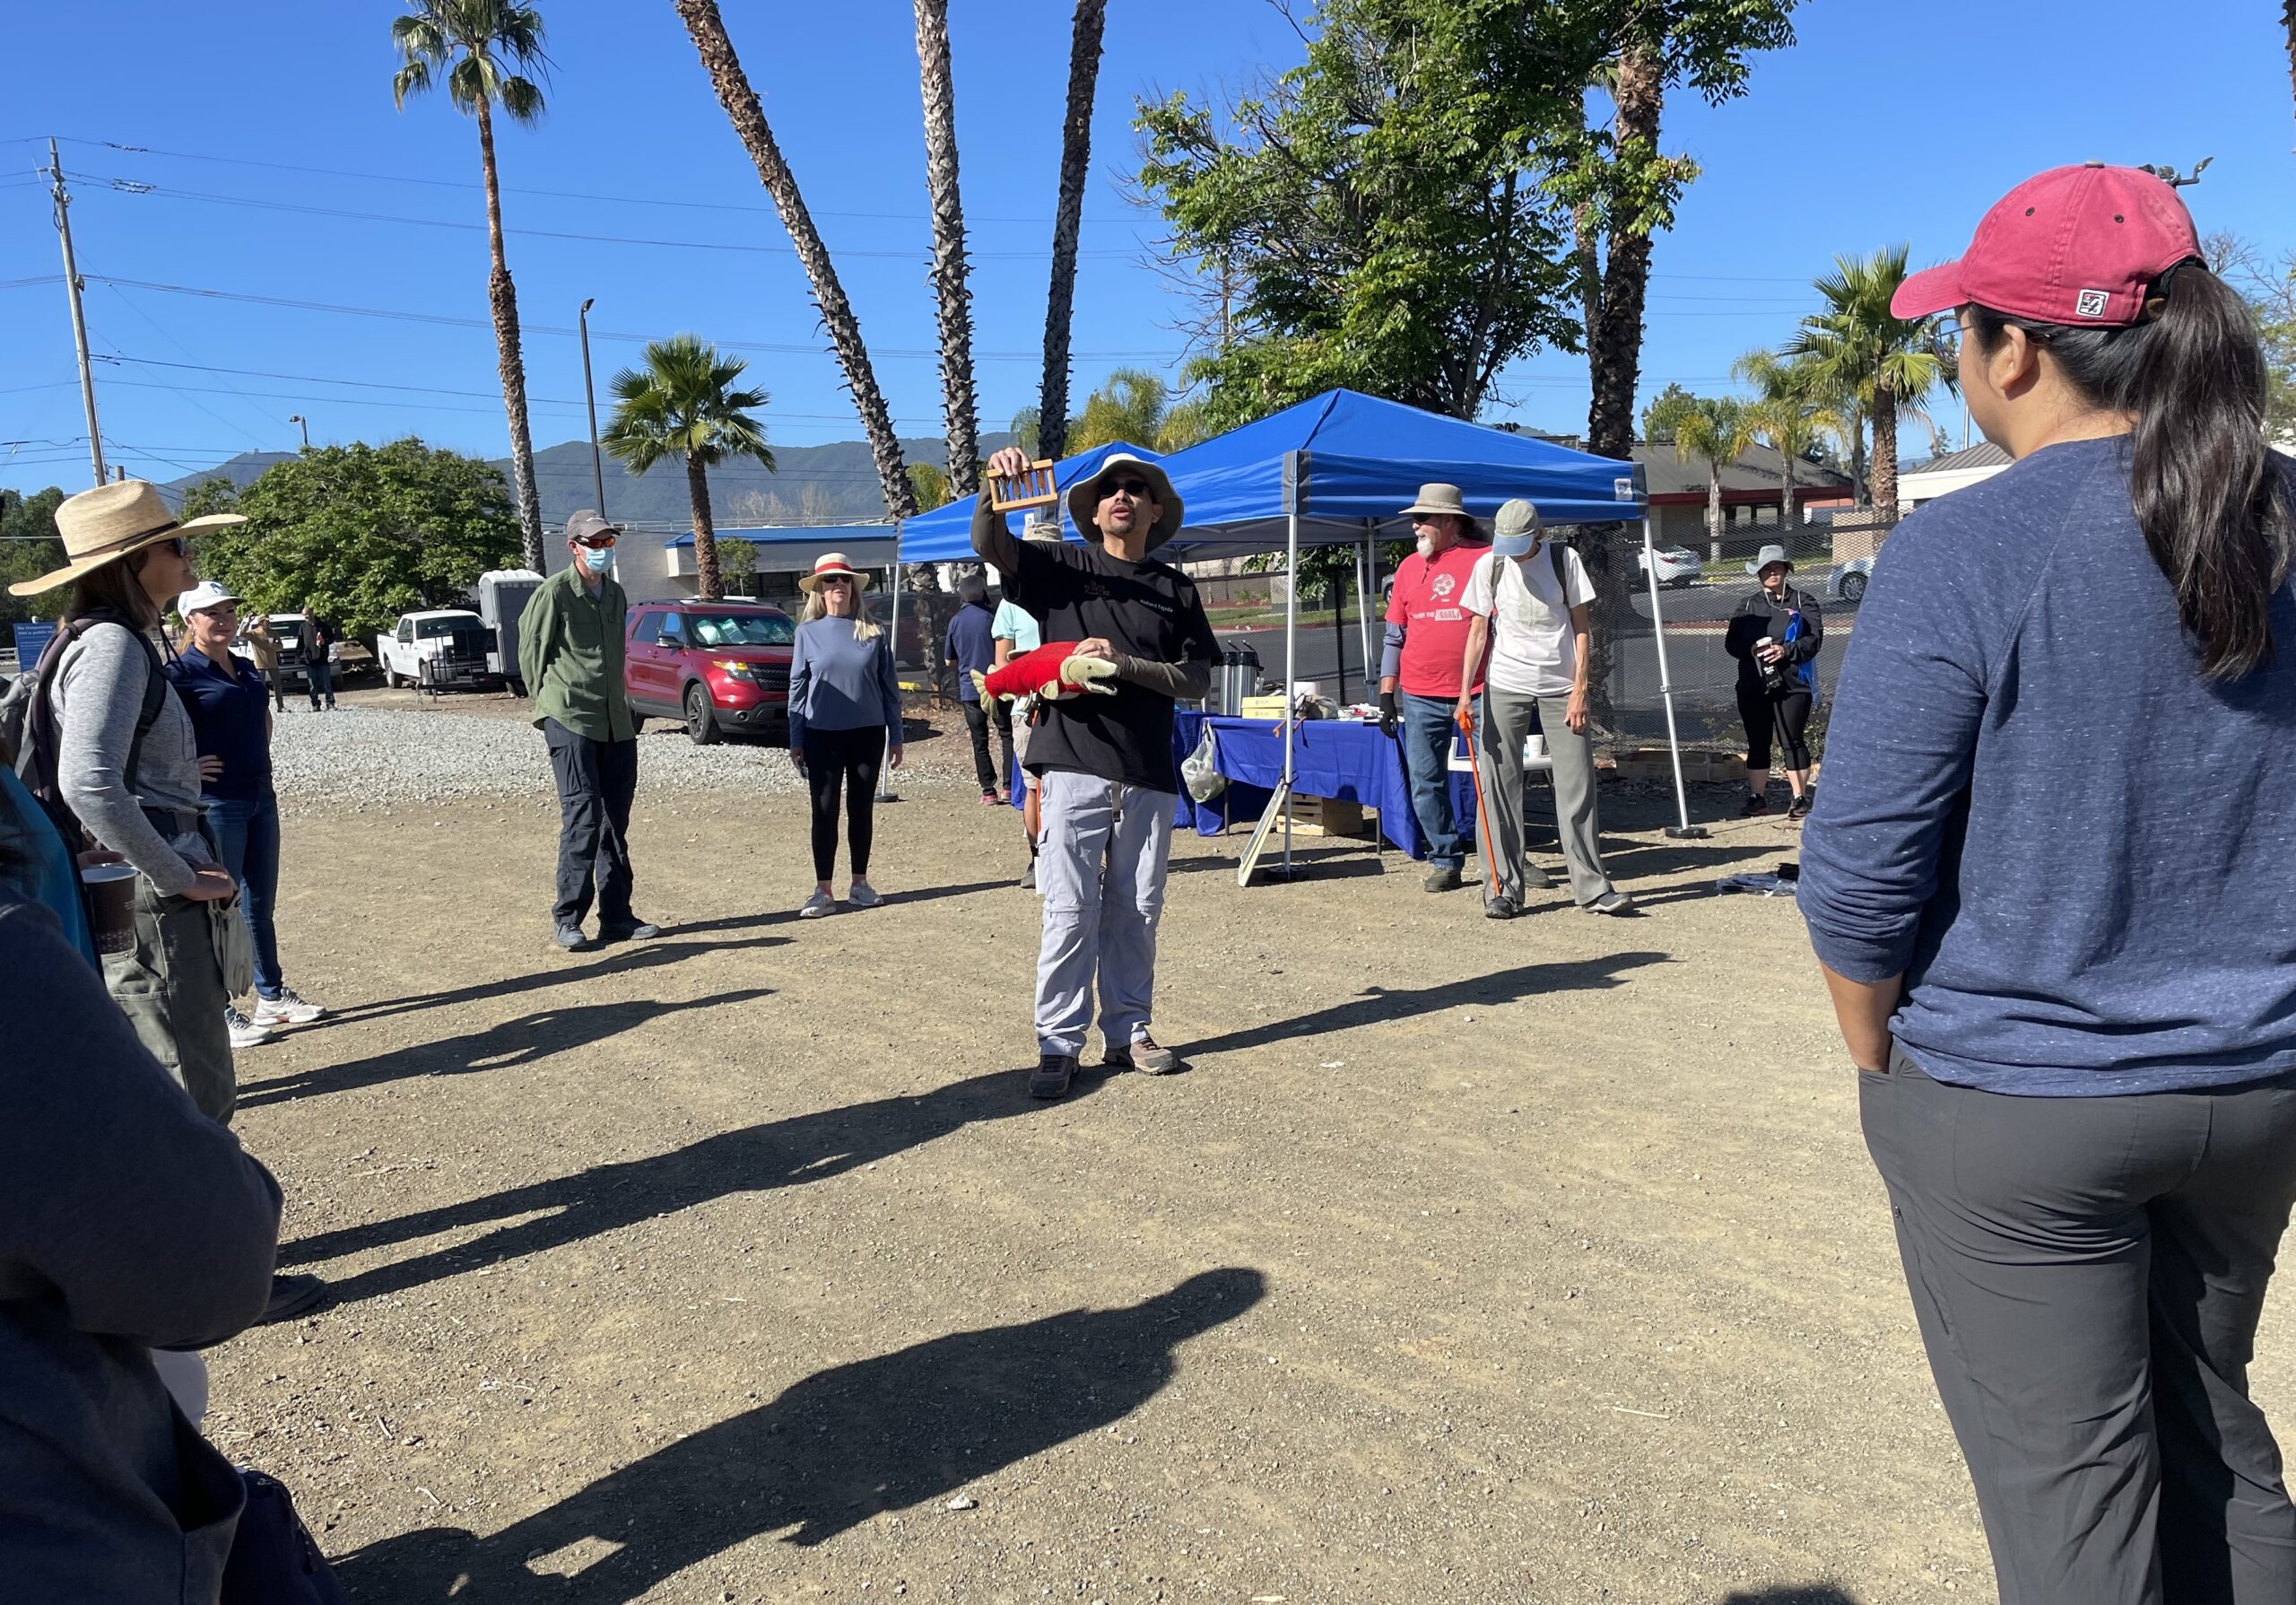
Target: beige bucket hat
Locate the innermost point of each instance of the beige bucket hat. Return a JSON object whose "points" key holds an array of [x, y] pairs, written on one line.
{"points": [[1439, 499], [827, 563], [1084, 499], [108, 523]]}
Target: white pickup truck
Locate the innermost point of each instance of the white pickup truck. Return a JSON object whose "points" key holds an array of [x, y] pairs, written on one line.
{"points": [[437, 647]]}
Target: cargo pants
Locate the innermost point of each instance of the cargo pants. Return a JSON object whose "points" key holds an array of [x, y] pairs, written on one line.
{"points": [[1100, 864], [171, 986]]}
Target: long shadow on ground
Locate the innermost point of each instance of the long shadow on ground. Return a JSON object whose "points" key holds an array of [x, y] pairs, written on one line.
{"points": [[503, 1047], [1792, 1594], [569, 971], [839, 1447], [806, 1147], [1376, 1004]]}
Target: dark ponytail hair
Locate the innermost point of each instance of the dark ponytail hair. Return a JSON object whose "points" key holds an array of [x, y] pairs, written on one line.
{"points": [[2212, 503]]}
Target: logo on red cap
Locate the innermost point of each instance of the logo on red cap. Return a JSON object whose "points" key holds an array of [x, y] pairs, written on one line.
{"points": [[2093, 303]]}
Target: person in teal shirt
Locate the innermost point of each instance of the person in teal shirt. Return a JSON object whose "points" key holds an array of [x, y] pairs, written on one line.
{"points": [[1014, 632]]}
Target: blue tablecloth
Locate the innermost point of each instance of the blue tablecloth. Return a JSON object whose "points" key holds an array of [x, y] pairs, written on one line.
{"points": [[1334, 758]]}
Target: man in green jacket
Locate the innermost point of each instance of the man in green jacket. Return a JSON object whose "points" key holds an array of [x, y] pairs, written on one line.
{"points": [[570, 651]]}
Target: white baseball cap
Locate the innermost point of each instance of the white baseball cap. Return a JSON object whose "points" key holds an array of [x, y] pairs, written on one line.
{"points": [[203, 596]]}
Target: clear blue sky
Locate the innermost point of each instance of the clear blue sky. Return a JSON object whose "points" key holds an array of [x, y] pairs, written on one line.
{"points": [[1870, 131]]}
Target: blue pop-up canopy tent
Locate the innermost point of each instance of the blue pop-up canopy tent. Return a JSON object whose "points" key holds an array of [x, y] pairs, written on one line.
{"points": [[1332, 469], [944, 535]]}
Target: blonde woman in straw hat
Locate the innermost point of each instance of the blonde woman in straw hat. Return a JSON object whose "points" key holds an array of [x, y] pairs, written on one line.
{"points": [[844, 718], [128, 766]]}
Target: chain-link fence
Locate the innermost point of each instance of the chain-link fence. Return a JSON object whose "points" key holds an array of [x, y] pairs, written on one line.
{"points": [[1696, 602]]}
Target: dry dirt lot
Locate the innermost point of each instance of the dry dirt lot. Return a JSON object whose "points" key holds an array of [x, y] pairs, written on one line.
{"points": [[1469, 1261]]}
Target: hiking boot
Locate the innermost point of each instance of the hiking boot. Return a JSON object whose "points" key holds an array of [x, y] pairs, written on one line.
{"points": [[1613, 902], [636, 930], [861, 894], [1443, 878], [1756, 804], [1052, 1076], [1501, 907], [1799, 808], [819, 903], [570, 937], [293, 1296], [286, 1009], [243, 1032], [1144, 1055]]}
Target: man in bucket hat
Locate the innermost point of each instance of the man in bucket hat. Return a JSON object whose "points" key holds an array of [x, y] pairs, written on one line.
{"points": [[1426, 640], [1108, 780], [571, 653]]}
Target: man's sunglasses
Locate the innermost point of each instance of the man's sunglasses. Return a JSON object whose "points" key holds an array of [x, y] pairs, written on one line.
{"points": [[1135, 488], [596, 543]]}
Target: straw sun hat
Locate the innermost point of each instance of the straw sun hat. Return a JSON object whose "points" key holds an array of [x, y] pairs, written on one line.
{"points": [[827, 563], [111, 522]]}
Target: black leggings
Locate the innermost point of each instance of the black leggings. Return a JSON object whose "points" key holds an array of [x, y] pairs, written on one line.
{"points": [[847, 758], [1788, 716]]}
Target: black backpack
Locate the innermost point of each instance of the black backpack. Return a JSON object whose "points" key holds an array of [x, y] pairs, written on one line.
{"points": [[31, 738]]}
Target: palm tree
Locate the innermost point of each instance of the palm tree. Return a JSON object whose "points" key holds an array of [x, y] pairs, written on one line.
{"points": [[683, 404], [1715, 428], [485, 49], [1784, 414], [1857, 348], [1129, 406], [1068, 219], [938, 85], [707, 28], [1614, 344]]}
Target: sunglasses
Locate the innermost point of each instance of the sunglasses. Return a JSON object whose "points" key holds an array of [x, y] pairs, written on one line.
{"points": [[1135, 488], [835, 580], [176, 543], [596, 543]]}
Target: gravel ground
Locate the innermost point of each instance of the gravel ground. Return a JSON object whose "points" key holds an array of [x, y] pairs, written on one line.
{"points": [[476, 745]]}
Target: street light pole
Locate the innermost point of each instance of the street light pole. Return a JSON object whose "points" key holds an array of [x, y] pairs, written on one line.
{"points": [[298, 418], [597, 465]]}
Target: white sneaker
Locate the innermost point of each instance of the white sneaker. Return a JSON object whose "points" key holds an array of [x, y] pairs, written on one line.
{"points": [[244, 1033], [861, 894], [286, 1009], [818, 904]]}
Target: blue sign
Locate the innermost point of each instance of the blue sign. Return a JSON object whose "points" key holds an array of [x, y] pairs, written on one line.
{"points": [[32, 641]]}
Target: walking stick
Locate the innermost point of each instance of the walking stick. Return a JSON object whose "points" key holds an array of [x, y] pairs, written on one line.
{"points": [[1482, 809]]}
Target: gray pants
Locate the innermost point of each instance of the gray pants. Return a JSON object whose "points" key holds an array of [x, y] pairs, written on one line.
{"points": [[1101, 867], [2088, 1274], [170, 987], [1505, 724]]}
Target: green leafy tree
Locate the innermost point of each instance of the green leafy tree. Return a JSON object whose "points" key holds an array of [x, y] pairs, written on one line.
{"points": [[1887, 366], [30, 546], [1716, 429], [362, 533], [486, 50], [930, 486], [1783, 414], [683, 404], [1378, 216], [737, 564]]}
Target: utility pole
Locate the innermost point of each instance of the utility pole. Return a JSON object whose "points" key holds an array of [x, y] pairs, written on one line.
{"points": [[79, 320], [597, 467], [306, 422]]}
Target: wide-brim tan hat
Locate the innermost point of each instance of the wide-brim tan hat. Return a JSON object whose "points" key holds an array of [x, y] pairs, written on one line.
{"points": [[1084, 499], [827, 563], [1438, 499], [114, 521]]}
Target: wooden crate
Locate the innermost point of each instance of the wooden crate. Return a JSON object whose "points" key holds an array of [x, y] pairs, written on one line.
{"points": [[1327, 816]]}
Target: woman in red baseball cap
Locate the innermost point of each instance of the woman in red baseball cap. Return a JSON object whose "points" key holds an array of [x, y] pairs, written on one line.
{"points": [[2050, 878]]}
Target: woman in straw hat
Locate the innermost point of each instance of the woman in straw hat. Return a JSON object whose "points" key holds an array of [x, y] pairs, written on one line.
{"points": [[128, 766], [844, 710], [2050, 884]]}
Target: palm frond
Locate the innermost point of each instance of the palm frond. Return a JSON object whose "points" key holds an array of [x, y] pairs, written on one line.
{"points": [[411, 79], [681, 404], [521, 99]]}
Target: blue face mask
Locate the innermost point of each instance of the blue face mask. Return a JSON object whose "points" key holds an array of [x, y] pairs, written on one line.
{"points": [[597, 559]]}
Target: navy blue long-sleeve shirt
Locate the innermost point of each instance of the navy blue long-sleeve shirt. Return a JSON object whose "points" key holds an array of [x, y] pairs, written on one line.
{"points": [[2080, 854], [839, 682]]}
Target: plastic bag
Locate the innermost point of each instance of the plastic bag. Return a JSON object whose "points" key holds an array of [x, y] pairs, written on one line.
{"points": [[1200, 770]]}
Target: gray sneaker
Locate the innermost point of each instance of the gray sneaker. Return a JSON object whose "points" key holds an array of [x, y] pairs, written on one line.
{"points": [[861, 894], [1145, 1055], [821, 903], [1442, 878], [1610, 903]]}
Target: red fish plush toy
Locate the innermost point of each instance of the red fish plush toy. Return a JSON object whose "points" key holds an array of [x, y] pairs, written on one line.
{"points": [[1053, 671]]}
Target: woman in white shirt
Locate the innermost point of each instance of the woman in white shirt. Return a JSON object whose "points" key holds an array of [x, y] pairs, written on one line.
{"points": [[1528, 644]]}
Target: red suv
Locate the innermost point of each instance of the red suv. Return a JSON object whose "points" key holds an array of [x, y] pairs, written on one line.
{"points": [[718, 666]]}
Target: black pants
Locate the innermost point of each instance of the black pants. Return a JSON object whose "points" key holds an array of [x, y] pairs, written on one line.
{"points": [[596, 782], [2088, 1275], [848, 759], [1787, 716], [976, 721]]}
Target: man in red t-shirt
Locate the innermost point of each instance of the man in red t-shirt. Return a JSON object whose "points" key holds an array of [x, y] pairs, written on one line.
{"points": [[1426, 642]]}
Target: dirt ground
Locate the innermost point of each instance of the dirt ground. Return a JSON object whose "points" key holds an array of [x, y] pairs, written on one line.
{"points": [[1469, 1260]]}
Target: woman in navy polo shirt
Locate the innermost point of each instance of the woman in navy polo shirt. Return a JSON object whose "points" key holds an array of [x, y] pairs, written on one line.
{"points": [[2049, 877], [231, 717]]}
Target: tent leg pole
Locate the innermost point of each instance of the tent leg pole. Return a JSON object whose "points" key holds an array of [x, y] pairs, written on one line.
{"points": [[885, 792], [1290, 669], [1685, 830]]}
